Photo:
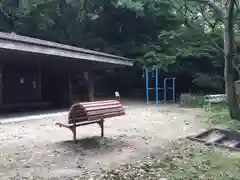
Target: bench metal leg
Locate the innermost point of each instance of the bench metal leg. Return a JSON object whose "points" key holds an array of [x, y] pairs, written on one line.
{"points": [[101, 124], [74, 134], [73, 129], [209, 106]]}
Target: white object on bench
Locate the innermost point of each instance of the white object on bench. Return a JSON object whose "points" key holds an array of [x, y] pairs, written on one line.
{"points": [[117, 95], [216, 98]]}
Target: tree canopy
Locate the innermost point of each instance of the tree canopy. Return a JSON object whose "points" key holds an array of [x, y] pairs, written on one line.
{"points": [[153, 32]]}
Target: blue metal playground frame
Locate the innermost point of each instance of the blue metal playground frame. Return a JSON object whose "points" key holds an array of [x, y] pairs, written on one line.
{"points": [[165, 88]]}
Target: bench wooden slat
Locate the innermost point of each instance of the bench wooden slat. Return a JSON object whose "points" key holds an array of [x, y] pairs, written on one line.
{"points": [[99, 104], [106, 116], [93, 108], [100, 111], [96, 116], [105, 112], [90, 113], [102, 107], [96, 102]]}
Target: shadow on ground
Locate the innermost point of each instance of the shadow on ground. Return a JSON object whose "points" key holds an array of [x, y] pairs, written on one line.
{"points": [[94, 144]]}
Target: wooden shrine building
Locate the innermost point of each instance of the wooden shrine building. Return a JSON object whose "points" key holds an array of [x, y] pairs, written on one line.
{"points": [[34, 72]]}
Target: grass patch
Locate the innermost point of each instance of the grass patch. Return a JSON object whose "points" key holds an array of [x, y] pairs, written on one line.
{"points": [[196, 161], [220, 116], [184, 160]]}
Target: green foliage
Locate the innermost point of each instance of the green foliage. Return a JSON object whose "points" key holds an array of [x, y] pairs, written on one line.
{"points": [[220, 117], [207, 80], [137, 6]]}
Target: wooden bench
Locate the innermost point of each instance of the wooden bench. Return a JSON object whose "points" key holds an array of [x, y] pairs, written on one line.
{"points": [[216, 98], [86, 113]]}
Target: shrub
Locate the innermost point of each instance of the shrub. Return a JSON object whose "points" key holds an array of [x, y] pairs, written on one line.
{"points": [[192, 100]]}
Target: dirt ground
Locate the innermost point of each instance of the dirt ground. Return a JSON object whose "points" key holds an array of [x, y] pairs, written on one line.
{"points": [[38, 149]]}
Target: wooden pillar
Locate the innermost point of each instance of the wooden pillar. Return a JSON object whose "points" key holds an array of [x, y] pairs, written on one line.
{"points": [[40, 84], [70, 88], [1, 87], [90, 86]]}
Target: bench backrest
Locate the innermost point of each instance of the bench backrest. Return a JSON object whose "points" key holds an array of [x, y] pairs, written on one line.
{"points": [[89, 111], [216, 97]]}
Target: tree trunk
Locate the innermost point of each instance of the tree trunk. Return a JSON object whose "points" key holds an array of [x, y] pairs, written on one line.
{"points": [[230, 89], [229, 69]]}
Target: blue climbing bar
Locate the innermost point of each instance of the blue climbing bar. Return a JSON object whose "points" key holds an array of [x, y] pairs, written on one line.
{"points": [[165, 90], [156, 71], [146, 77], [173, 85]]}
